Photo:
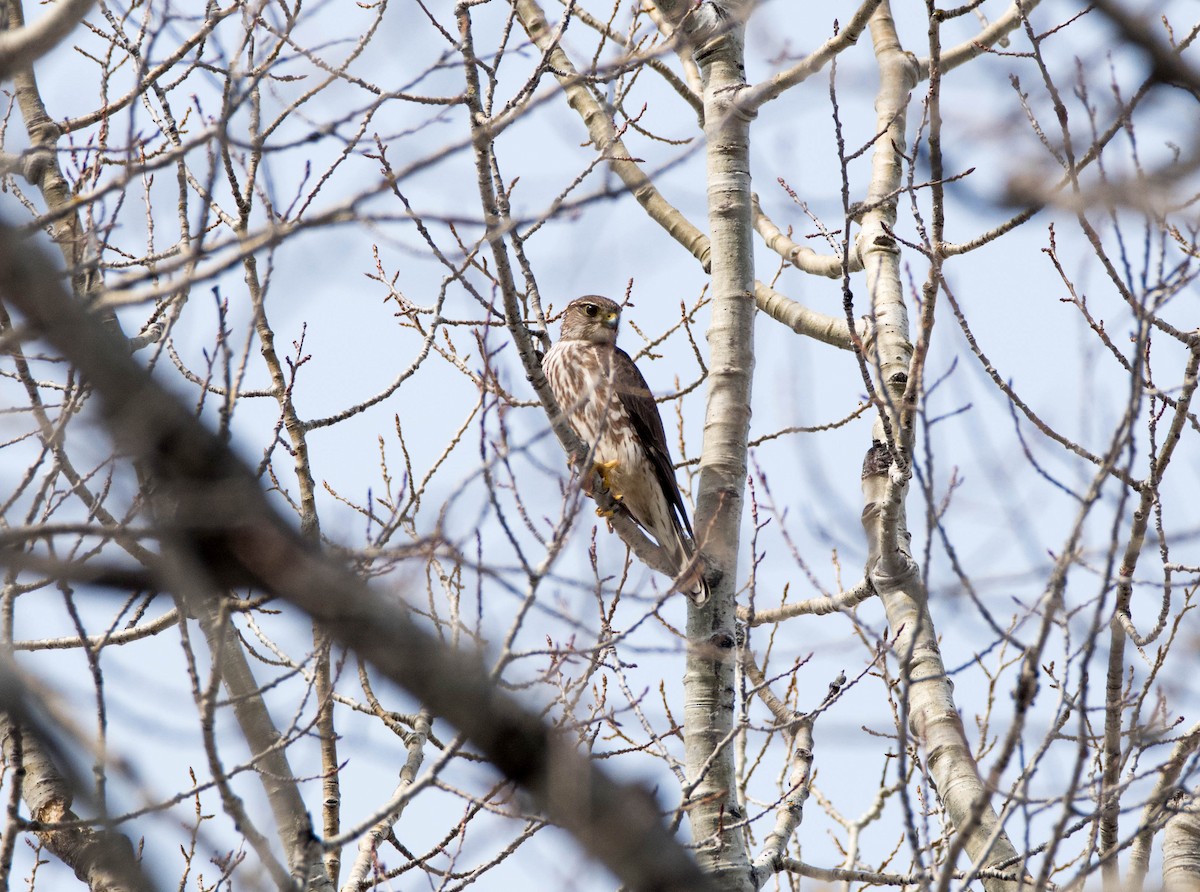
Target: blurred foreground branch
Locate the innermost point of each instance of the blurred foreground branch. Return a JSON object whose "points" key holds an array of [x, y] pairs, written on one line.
{"points": [[214, 510]]}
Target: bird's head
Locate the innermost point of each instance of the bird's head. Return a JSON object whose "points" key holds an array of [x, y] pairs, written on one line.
{"points": [[593, 319]]}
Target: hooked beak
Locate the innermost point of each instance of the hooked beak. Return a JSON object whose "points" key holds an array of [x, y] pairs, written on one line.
{"points": [[611, 320]]}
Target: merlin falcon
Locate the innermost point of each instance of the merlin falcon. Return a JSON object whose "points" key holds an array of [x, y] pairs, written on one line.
{"points": [[609, 405]]}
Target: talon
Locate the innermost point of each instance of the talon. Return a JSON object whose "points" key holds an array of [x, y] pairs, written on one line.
{"points": [[602, 468]]}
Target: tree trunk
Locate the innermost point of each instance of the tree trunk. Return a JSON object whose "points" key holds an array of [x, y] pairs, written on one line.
{"points": [[715, 813], [932, 715]]}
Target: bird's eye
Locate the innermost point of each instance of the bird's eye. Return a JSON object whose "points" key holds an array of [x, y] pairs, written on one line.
{"points": [[591, 310]]}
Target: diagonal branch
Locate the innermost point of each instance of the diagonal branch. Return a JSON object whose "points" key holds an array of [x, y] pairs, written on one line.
{"points": [[755, 97], [20, 47], [221, 515], [604, 136], [102, 858]]}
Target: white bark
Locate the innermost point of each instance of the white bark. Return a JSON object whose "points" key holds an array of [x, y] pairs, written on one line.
{"points": [[932, 716], [715, 812], [802, 320], [605, 138], [995, 33], [368, 845], [20, 47], [102, 858], [831, 266], [1156, 806], [790, 811], [1181, 853], [42, 168]]}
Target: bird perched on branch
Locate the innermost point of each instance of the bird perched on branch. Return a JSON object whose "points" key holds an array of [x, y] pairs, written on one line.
{"points": [[609, 405]]}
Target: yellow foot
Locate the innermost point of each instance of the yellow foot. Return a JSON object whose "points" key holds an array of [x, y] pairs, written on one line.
{"points": [[603, 468]]}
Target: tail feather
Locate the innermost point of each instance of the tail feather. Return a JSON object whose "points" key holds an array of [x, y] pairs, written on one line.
{"points": [[671, 535], [700, 594], [690, 576]]}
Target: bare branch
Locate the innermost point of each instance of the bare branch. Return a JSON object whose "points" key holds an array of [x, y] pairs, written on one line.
{"points": [[20, 47]]}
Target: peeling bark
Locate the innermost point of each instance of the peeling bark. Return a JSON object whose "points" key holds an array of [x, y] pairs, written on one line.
{"points": [[104, 859]]}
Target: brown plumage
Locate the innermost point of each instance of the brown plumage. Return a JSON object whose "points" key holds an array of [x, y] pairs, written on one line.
{"points": [[609, 405]]}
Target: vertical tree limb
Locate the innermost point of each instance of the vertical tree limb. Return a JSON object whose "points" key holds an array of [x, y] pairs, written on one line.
{"points": [[310, 527], [1121, 628], [715, 813], [798, 731], [42, 169], [932, 715], [258, 728], [1157, 806]]}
